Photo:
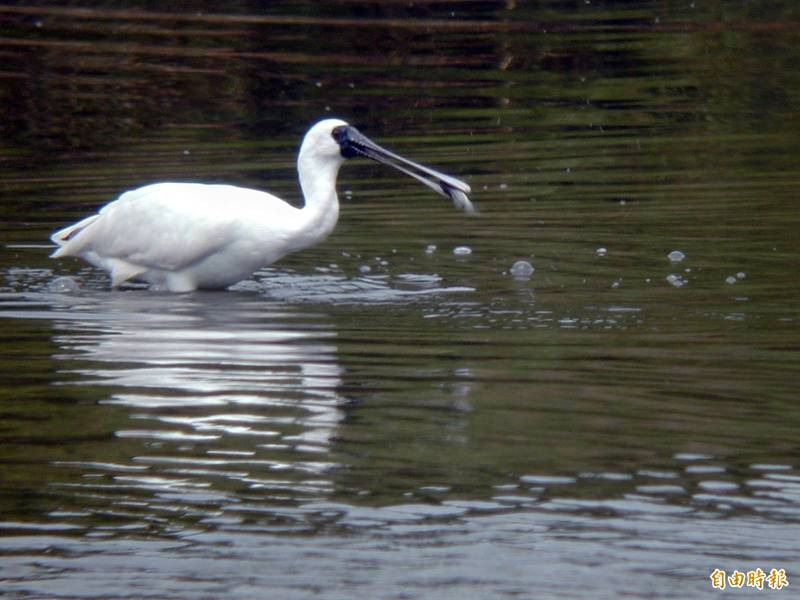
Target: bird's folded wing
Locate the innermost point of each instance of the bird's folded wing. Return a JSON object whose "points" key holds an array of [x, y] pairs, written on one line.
{"points": [[162, 226]]}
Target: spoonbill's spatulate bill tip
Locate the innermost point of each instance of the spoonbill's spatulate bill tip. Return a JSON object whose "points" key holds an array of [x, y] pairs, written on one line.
{"points": [[185, 236]]}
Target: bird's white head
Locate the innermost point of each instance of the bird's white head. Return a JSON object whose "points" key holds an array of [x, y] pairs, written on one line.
{"points": [[319, 143]]}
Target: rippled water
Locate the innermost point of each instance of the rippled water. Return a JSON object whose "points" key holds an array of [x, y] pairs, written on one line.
{"points": [[408, 410]]}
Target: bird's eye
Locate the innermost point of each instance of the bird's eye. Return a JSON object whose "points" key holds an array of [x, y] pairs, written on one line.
{"points": [[339, 134]]}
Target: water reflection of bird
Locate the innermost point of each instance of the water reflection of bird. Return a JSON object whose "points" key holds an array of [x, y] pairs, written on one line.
{"points": [[184, 236]]}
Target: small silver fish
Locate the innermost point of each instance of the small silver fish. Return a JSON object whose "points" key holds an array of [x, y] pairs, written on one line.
{"points": [[460, 200]]}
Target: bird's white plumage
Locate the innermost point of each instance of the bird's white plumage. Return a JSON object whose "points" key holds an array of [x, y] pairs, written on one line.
{"points": [[184, 236]]}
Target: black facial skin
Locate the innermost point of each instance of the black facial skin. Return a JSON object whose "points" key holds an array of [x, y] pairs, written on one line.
{"points": [[347, 140]]}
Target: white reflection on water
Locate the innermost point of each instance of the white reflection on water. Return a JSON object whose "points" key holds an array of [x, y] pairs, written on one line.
{"points": [[219, 386]]}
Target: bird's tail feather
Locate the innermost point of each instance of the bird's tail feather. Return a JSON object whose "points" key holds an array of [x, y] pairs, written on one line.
{"points": [[63, 237]]}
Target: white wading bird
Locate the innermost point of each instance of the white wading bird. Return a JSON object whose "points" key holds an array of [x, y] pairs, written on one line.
{"points": [[184, 236]]}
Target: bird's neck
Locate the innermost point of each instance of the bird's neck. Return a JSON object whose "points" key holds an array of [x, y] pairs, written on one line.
{"points": [[321, 209]]}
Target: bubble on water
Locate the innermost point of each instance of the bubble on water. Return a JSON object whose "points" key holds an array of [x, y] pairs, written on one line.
{"points": [[521, 269], [63, 285], [676, 280], [462, 250], [730, 279], [676, 256], [601, 251]]}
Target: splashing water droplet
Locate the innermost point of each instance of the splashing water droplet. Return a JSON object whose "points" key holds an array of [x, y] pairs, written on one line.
{"points": [[676, 280]]}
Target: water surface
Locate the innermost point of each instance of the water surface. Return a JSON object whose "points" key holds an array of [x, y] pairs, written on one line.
{"points": [[384, 415]]}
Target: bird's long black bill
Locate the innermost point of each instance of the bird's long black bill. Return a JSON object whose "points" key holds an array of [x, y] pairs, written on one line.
{"points": [[354, 143]]}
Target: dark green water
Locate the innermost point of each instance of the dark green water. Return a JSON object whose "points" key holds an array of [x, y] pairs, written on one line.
{"points": [[380, 416]]}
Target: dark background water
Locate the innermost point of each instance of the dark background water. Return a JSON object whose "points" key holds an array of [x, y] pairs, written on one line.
{"points": [[381, 416]]}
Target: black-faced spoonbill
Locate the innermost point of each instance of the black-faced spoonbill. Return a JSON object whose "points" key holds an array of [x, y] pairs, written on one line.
{"points": [[185, 236]]}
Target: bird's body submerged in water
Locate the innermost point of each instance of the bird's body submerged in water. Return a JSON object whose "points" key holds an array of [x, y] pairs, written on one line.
{"points": [[185, 236]]}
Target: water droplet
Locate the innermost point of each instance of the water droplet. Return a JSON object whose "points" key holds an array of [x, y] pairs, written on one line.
{"points": [[462, 250], [741, 275], [521, 269], [676, 280], [602, 251], [430, 249], [676, 256], [730, 279], [63, 285]]}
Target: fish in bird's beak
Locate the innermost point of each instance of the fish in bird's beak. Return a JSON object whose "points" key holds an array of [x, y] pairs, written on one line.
{"points": [[353, 143]]}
